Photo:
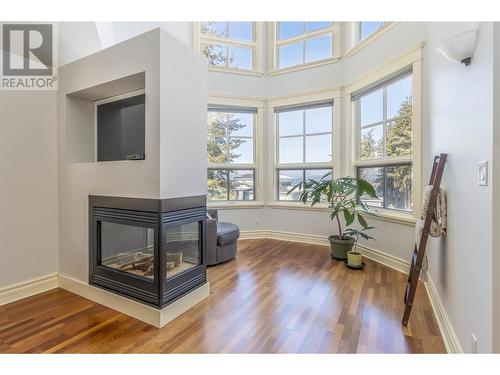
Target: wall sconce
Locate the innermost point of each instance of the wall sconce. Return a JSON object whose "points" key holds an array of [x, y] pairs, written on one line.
{"points": [[459, 48]]}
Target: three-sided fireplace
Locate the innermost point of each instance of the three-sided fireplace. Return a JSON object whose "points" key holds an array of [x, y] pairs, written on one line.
{"points": [[152, 250]]}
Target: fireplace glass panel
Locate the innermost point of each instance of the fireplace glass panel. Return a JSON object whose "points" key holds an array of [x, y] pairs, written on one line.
{"points": [[183, 248], [127, 248]]}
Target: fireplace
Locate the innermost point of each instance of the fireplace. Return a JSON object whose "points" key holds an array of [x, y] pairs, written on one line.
{"points": [[152, 250]]}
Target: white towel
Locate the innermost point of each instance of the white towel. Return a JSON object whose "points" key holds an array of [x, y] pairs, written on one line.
{"points": [[438, 224]]}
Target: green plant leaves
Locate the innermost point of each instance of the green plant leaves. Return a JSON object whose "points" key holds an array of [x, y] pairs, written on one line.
{"points": [[343, 197], [349, 217], [362, 221]]}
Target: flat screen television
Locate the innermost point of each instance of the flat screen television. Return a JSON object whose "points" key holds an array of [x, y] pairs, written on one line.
{"points": [[121, 129]]}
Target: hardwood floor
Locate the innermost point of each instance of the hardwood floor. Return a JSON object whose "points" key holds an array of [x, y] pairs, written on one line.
{"points": [[275, 297]]}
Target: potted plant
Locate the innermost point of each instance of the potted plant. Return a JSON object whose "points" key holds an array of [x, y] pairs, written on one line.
{"points": [[354, 259], [343, 198]]}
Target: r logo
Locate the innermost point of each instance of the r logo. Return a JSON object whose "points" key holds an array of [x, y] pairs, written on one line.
{"points": [[27, 50]]}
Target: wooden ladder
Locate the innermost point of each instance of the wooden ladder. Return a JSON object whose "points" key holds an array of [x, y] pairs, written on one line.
{"points": [[419, 253]]}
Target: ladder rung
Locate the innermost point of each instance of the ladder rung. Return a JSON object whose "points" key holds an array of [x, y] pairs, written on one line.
{"points": [[407, 291]]}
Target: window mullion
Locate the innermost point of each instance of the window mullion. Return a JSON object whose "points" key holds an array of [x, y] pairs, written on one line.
{"points": [[303, 136], [385, 121]]}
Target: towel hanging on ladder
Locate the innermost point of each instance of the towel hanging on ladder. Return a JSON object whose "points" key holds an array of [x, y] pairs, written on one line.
{"points": [[439, 219]]}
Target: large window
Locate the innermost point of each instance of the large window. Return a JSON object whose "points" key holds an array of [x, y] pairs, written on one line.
{"points": [[383, 114], [231, 153], [228, 45], [300, 43], [303, 144]]}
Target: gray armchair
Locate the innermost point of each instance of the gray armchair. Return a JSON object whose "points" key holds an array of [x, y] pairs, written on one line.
{"points": [[222, 239]]}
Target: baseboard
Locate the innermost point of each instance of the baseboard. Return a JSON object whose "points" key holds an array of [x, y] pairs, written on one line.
{"points": [[445, 327], [124, 305], [448, 334], [378, 256], [28, 288], [137, 310]]}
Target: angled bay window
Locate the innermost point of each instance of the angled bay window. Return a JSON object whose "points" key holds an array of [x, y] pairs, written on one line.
{"points": [[304, 145], [383, 122], [231, 153], [304, 43], [360, 34], [228, 45], [363, 30]]}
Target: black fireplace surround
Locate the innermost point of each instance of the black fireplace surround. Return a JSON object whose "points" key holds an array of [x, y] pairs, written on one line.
{"points": [[152, 250]]}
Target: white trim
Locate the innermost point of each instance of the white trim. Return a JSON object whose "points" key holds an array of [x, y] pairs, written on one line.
{"points": [[411, 57], [296, 68], [28, 288], [356, 47], [235, 205], [137, 310], [256, 45], [334, 94], [448, 334], [446, 329], [258, 144], [273, 45]]}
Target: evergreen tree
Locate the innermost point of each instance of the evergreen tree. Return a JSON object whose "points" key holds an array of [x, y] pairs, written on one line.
{"points": [[221, 149], [370, 148], [209, 50], [398, 143]]}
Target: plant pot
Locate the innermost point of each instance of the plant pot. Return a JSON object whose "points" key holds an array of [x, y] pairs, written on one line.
{"points": [[354, 259], [340, 248]]}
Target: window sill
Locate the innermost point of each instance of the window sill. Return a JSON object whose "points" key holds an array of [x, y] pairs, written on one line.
{"points": [[384, 215], [393, 217], [370, 39], [297, 68], [298, 206], [217, 69], [235, 205]]}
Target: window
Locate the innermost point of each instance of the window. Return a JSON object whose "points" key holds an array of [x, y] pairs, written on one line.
{"points": [[365, 29], [383, 116], [228, 45], [231, 153], [301, 43], [288, 178], [360, 34], [304, 145]]}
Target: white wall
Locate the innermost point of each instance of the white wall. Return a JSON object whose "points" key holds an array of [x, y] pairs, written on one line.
{"points": [[78, 180], [28, 185], [496, 188], [459, 121], [174, 106], [183, 95]]}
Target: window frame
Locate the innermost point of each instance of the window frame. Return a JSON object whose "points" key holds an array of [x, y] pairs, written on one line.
{"points": [[274, 44], [333, 95], [411, 58], [233, 102], [257, 51], [352, 42]]}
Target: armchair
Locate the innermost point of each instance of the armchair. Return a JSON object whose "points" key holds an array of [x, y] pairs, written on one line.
{"points": [[222, 239]]}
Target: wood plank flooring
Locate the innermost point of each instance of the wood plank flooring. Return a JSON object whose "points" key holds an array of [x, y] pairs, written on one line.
{"points": [[275, 297]]}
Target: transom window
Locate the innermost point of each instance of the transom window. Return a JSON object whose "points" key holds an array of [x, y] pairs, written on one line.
{"points": [[229, 44], [230, 152], [304, 145], [299, 43], [365, 29], [383, 118]]}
